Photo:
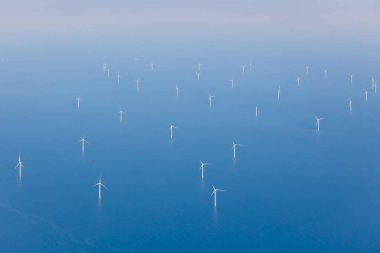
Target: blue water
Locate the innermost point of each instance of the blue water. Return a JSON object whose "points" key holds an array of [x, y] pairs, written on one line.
{"points": [[289, 190]]}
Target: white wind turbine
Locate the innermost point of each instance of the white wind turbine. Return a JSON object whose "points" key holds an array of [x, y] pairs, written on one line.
{"points": [[242, 69], [307, 69], [298, 80], [278, 93], [138, 84], [317, 122], [198, 75], [257, 111], [177, 90], [250, 67], [118, 78], [366, 95], [351, 77], [83, 141], [100, 185], [171, 127], [78, 102], [121, 112], [202, 168], [210, 98], [19, 166], [374, 86], [350, 104], [232, 83], [214, 191], [234, 145]]}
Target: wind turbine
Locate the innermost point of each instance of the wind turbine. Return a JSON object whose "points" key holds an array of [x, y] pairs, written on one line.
{"points": [[138, 84], [203, 166], [232, 83], [257, 111], [108, 72], [171, 127], [366, 95], [307, 69], [100, 185], [234, 145], [198, 75], [298, 80], [104, 67], [351, 77], [152, 66], [242, 69], [374, 86], [177, 90], [78, 102], [278, 93], [317, 120], [83, 141], [199, 67], [250, 67], [350, 104], [210, 97], [19, 166], [214, 191], [121, 115], [118, 78]]}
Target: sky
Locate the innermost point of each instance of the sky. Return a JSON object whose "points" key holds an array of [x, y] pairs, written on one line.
{"points": [[167, 17]]}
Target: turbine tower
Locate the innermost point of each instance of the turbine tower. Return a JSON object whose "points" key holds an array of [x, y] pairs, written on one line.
{"points": [[19, 166], [214, 191], [100, 185], [202, 168]]}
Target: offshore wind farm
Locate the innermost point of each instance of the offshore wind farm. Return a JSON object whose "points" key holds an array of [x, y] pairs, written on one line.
{"points": [[252, 143]]}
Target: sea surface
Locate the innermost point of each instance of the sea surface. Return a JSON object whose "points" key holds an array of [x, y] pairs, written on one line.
{"points": [[290, 189]]}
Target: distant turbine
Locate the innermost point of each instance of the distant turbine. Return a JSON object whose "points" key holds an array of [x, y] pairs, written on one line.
{"points": [[83, 141], [199, 67], [214, 191], [350, 104], [100, 185], [171, 127], [351, 78], [257, 111], [104, 67], [152, 66], [198, 75], [325, 72], [78, 102], [250, 67], [202, 167], [19, 166], [118, 78], [138, 84], [374, 86], [232, 83], [210, 97], [307, 69], [298, 80], [278, 93], [234, 145], [317, 120], [366, 95], [177, 90], [242, 69], [121, 116], [108, 72]]}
